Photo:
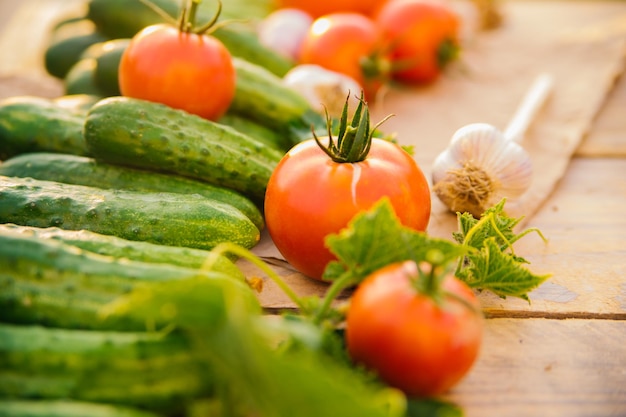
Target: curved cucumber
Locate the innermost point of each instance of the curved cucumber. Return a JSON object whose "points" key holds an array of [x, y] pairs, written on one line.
{"points": [[153, 136], [81, 170], [162, 218]]}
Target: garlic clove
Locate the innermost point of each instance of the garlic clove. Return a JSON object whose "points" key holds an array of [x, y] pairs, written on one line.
{"points": [[479, 168], [283, 31], [323, 88]]}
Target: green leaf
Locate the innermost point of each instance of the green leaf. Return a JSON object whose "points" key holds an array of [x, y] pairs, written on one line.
{"points": [[376, 238], [491, 269]]}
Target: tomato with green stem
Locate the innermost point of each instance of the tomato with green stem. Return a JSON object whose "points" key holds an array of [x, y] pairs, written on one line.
{"points": [[421, 38], [347, 43], [321, 184], [183, 67], [418, 328]]}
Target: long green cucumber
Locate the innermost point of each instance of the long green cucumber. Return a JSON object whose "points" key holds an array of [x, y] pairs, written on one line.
{"points": [[124, 18], [34, 124], [138, 369], [153, 136], [49, 282], [261, 96], [163, 218], [128, 249], [66, 408], [81, 170]]}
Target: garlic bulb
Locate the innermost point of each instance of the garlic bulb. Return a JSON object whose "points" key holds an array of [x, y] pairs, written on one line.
{"points": [[283, 31], [479, 168], [482, 165], [323, 88]]}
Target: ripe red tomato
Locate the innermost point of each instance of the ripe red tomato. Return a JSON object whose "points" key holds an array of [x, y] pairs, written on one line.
{"points": [[309, 196], [345, 43], [420, 344], [422, 37], [188, 71], [318, 8]]}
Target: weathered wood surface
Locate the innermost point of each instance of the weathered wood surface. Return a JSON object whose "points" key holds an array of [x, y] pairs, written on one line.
{"points": [[564, 354]]}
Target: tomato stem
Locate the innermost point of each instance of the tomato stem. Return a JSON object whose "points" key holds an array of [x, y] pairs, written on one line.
{"points": [[354, 139]]}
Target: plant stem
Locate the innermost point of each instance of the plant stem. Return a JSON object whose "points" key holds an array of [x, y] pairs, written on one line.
{"points": [[340, 284]]}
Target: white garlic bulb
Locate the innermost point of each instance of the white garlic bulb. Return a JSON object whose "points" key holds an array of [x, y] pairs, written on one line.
{"points": [[483, 165], [479, 168], [322, 88]]}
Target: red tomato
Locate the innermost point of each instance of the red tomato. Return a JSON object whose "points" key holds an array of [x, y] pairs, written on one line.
{"points": [[422, 37], [414, 343], [318, 8], [309, 196], [343, 42], [187, 71]]}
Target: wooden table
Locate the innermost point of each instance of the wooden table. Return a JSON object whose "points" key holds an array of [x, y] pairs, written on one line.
{"points": [[563, 354]]}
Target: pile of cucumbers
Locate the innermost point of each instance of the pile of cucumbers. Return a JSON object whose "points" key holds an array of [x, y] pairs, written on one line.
{"points": [[101, 193]]}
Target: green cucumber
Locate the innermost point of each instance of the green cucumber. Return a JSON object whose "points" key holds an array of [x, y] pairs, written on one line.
{"points": [[124, 18], [49, 282], [81, 170], [268, 136], [35, 124], [66, 408], [81, 79], [162, 218], [108, 55], [150, 371], [128, 249], [68, 41], [261, 96], [153, 136]]}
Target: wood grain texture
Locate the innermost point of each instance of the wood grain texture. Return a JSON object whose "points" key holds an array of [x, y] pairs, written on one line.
{"points": [[547, 368]]}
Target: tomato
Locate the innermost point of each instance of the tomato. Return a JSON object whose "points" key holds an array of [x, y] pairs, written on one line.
{"points": [[421, 36], [309, 196], [318, 8], [419, 342], [185, 70], [346, 43]]}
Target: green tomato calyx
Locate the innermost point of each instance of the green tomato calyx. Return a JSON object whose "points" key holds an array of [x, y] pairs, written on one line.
{"points": [[354, 138]]}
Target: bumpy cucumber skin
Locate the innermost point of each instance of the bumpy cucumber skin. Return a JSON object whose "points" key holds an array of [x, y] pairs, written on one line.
{"points": [[34, 124], [137, 369], [162, 218], [48, 282], [65, 408], [82, 170], [261, 96], [128, 249], [124, 18], [143, 134]]}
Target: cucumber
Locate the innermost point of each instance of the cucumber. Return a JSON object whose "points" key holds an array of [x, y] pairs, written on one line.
{"points": [[150, 371], [127, 249], [261, 96], [49, 282], [153, 136], [81, 79], [68, 41], [82, 170], [108, 56], [268, 136], [162, 218], [65, 408], [35, 124], [124, 18]]}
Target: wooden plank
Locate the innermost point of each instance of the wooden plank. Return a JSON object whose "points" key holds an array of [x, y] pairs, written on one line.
{"points": [[537, 367]]}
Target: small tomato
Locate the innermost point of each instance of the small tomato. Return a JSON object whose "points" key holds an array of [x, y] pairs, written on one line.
{"points": [[419, 336], [346, 43], [318, 8], [315, 190], [180, 68], [420, 36]]}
